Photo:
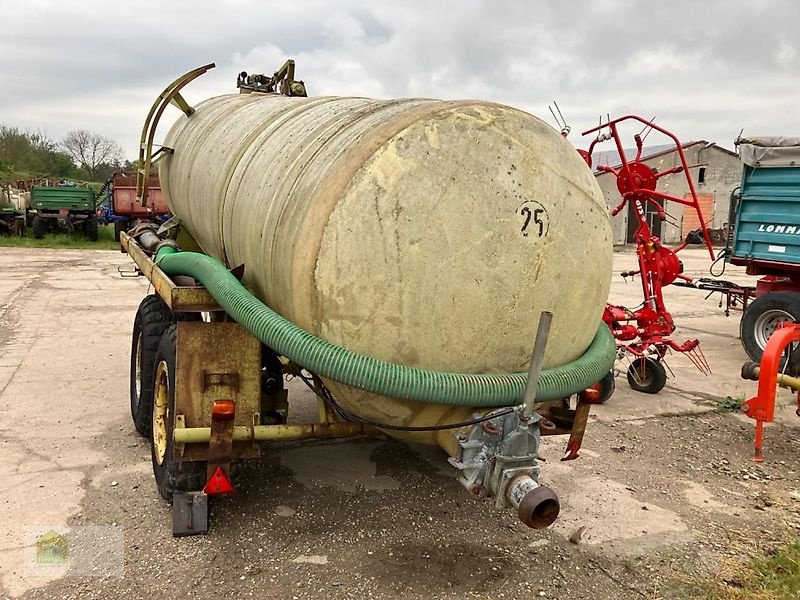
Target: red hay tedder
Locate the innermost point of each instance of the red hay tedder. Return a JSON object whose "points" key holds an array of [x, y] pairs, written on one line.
{"points": [[644, 333]]}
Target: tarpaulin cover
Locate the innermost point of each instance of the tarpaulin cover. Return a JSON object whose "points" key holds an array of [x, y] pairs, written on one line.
{"points": [[770, 151]]}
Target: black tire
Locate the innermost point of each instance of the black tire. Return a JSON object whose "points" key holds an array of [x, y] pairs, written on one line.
{"points": [[90, 229], [153, 318], [647, 375], [18, 228], [119, 227], [171, 475], [760, 320], [39, 227], [607, 387]]}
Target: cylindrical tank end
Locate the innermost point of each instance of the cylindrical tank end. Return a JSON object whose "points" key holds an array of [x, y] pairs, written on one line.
{"points": [[537, 505]]}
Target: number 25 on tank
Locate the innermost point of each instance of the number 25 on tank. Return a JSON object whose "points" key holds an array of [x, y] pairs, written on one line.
{"points": [[533, 219]]}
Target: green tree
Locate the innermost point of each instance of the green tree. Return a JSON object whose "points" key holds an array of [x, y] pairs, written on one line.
{"points": [[24, 155]]}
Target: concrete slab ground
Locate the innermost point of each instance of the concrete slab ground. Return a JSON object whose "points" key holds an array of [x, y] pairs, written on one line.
{"points": [[665, 483]]}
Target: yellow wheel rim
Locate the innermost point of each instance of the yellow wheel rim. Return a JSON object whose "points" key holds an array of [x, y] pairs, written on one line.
{"points": [[138, 359], [161, 412]]}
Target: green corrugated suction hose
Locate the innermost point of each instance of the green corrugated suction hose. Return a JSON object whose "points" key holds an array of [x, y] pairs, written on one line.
{"points": [[384, 378]]}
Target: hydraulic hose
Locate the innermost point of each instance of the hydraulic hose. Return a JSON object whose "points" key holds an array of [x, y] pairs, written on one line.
{"points": [[380, 377]]}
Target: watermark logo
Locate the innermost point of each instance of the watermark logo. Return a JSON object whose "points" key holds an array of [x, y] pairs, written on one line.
{"points": [[83, 551], [52, 548]]}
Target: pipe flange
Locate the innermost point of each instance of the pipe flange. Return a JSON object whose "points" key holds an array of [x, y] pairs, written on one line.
{"points": [[539, 508], [143, 227], [165, 244]]}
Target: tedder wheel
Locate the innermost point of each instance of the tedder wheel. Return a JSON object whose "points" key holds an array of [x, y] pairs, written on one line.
{"points": [[39, 227], [171, 475], [607, 387], [761, 319], [152, 319], [90, 229], [647, 375]]}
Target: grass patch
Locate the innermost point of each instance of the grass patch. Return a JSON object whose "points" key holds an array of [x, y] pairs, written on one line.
{"points": [[773, 576], [730, 404], [105, 240]]}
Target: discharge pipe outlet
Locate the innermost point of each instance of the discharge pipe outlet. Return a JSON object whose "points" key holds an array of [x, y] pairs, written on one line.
{"points": [[380, 377], [537, 505]]}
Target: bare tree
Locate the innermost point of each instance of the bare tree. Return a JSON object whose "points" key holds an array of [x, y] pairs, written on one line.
{"points": [[91, 151]]}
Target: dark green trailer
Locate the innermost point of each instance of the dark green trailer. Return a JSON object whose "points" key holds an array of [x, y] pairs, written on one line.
{"points": [[70, 208]]}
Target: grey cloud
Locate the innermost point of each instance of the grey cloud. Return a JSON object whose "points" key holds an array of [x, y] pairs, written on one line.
{"points": [[706, 69]]}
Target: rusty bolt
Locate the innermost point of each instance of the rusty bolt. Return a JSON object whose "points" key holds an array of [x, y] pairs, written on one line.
{"points": [[490, 427], [546, 424], [477, 491]]}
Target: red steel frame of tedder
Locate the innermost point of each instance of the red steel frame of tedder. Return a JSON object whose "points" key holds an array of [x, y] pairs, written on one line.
{"points": [[644, 332]]}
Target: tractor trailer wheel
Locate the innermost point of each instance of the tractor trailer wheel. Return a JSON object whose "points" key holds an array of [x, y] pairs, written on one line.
{"points": [[119, 227], [18, 228], [171, 475], [90, 229], [153, 318], [762, 318], [39, 227], [606, 387]]}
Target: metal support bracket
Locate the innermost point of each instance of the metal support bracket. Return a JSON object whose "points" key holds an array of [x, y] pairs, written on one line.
{"points": [[170, 95], [220, 447], [189, 513], [135, 272], [762, 406]]}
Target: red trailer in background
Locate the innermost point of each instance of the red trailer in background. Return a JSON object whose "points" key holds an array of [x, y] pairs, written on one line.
{"points": [[120, 206]]}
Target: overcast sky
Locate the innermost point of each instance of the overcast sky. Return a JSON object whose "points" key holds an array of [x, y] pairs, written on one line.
{"points": [[705, 69]]}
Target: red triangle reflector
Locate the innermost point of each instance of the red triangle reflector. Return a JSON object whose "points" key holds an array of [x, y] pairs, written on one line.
{"points": [[218, 484]]}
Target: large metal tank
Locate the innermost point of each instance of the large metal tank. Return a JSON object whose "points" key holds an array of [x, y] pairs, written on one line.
{"points": [[421, 232]]}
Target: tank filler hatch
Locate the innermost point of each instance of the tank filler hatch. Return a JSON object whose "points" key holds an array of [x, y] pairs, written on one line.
{"points": [[281, 82]]}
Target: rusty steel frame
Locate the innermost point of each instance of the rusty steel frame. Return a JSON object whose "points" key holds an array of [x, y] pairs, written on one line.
{"points": [[218, 360], [179, 298]]}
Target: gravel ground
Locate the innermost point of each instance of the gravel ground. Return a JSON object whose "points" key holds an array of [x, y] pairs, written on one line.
{"points": [[665, 489]]}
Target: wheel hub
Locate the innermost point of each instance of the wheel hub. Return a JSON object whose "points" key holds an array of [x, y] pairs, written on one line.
{"points": [[160, 412], [767, 323], [642, 374]]}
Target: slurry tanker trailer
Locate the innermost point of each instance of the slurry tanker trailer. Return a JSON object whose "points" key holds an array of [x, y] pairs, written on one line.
{"points": [[435, 271]]}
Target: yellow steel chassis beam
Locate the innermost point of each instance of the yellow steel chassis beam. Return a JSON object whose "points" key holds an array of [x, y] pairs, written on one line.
{"points": [[265, 433], [179, 298]]}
